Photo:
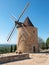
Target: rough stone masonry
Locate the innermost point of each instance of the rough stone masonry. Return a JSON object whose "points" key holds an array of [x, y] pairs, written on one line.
{"points": [[27, 37]]}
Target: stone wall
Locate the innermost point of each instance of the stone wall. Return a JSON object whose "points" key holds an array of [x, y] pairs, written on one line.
{"points": [[14, 57]]}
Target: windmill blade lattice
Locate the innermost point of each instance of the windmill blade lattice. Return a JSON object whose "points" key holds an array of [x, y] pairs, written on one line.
{"points": [[11, 33], [23, 11], [18, 20]]}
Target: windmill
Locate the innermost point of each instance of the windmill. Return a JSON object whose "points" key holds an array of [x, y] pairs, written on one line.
{"points": [[27, 34], [17, 23]]}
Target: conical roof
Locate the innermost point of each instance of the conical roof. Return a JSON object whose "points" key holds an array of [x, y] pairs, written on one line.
{"points": [[27, 22]]}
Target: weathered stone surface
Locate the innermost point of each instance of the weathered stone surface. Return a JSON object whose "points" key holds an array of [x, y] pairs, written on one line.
{"points": [[15, 57], [28, 39]]}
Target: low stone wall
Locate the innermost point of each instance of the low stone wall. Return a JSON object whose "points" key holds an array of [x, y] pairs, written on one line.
{"points": [[13, 58]]}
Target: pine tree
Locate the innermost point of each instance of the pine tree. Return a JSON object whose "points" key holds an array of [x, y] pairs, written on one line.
{"points": [[11, 48], [14, 48]]}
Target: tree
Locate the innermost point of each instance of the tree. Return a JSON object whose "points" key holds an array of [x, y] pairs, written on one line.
{"points": [[43, 46], [47, 43], [41, 43], [15, 47], [11, 48]]}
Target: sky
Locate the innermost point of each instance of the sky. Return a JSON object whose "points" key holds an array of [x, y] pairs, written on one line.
{"points": [[38, 12]]}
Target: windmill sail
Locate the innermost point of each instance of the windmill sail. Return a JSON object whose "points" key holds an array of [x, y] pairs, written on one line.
{"points": [[18, 20]]}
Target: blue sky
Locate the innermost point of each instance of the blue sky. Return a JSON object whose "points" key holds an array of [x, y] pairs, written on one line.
{"points": [[38, 12]]}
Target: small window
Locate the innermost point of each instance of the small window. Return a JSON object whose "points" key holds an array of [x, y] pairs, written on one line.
{"points": [[33, 31]]}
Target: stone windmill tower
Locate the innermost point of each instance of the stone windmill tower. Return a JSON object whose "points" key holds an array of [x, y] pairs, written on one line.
{"points": [[27, 34], [27, 37]]}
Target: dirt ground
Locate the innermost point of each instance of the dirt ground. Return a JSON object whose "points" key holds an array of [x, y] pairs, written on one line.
{"points": [[35, 59]]}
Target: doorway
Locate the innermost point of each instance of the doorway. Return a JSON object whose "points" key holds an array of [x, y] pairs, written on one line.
{"points": [[34, 49]]}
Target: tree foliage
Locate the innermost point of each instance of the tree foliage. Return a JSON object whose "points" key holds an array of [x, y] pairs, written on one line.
{"points": [[11, 48], [4, 49], [47, 43], [15, 47], [41, 43]]}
